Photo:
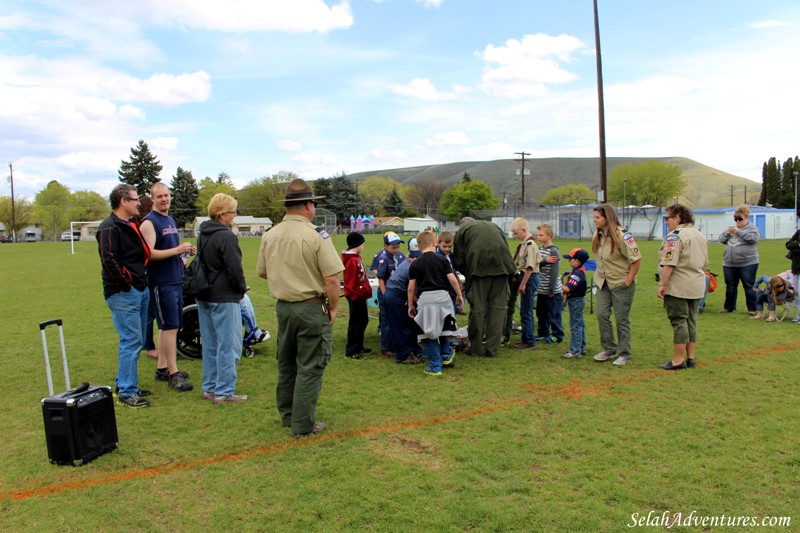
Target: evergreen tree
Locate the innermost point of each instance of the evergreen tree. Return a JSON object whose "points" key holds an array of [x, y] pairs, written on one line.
{"points": [[466, 177], [184, 197], [393, 204], [770, 182], [344, 200], [141, 170]]}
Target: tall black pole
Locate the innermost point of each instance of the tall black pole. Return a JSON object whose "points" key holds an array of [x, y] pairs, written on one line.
{"points": [[600, 106], [522, 175], [13, 210]]}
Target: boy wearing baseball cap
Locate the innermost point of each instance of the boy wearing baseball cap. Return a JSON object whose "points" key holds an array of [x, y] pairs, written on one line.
{"points": [[384, 264], [575, 290]]}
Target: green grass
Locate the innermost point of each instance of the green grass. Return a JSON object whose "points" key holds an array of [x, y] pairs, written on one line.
{"points": [[523, 442]]}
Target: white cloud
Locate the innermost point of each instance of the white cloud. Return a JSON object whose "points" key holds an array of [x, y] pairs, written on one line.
{"points": [[448, 139], [423, 89], [526, 67], [289, 146], [430, 3], [767, 24], [160, 89], [239, 15]]}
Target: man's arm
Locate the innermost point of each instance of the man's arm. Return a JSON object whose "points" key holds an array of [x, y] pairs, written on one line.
{"points": [[332, 292], [148, 231]]}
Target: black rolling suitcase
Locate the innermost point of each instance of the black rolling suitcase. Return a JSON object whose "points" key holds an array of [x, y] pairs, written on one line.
{"points": [[79, 424]]}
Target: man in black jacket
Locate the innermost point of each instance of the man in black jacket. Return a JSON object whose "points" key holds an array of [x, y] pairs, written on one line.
{"points": [[124, 255]]}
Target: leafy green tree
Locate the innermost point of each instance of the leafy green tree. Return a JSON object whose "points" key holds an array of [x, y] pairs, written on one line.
{"points": [[344, 200], [567, 194], [87, 206], [184, 197], [207, 189], [52, 204], [322, 187], [648, 183], [24, 214], [374, 191], [224, 179], [393, 204], [141, 170], [263, 197], [470, 198]]}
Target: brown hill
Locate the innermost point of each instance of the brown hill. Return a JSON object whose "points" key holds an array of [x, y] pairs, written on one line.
{"points": [[706, 186]]}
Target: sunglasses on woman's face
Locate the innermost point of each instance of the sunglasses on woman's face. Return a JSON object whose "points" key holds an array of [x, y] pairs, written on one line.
{"points": [[738, 219]]}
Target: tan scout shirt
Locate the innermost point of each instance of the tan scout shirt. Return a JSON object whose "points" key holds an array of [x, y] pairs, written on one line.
{"points": [[686, 249], [295, 258], [527, 255], [613, 268]]}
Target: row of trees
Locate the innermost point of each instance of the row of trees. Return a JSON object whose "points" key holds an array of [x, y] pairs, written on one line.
{"points": [[778, 183]]}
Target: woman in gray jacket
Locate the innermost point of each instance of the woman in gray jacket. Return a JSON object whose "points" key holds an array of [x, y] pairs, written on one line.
{"points": [[740, 260]]}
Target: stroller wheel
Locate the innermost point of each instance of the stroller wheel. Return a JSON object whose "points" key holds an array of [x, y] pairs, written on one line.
{"points": [[249, 350], [188, 340]]}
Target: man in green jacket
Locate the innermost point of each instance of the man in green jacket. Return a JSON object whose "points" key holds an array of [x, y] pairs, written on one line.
{"points": [[481, 254]]}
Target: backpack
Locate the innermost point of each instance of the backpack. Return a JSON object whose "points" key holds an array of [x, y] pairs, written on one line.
{"points": [[712, 280]]}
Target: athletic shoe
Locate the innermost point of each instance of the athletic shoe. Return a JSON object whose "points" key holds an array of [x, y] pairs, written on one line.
{"points": [[163, 375], [264, 336], [450, 361], [622, 360], [367, 351], [232, 398], [142, 392], [540, 338], [356, 357], [604, 356], [387, 353], [552, 339], [524, 346], [411, 360], [429, 371], [316, 428], [208, 396], [583, 352], [179, 383], [133, 401], [570, 355]]}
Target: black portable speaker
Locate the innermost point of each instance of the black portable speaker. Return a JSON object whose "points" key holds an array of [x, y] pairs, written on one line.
{"points": [[79, 424]]}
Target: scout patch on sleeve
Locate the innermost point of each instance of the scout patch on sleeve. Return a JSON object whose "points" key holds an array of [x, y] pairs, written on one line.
{"points": [[668, 256], [628, 237], [671, 238], [322, 233]]}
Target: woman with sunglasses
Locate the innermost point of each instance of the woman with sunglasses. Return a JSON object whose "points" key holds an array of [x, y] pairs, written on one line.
{"points": [[740, 260]]}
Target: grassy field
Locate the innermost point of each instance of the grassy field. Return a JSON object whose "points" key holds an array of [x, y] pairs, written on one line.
{"points": [[523, 442]]}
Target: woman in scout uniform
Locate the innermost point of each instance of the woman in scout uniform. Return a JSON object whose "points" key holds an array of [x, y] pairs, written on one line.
{"points": [[618, 261], [682, 282]]}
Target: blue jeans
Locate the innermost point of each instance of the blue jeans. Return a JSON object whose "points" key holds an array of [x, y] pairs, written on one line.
{"points": [[733, 275], [433, 350], [548, 311], [221, 333], [703, 299], [526, 303], [577, 328], [129, 314]]}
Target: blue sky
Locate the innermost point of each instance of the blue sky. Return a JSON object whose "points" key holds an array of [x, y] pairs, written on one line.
{"points": [[254, 87]]}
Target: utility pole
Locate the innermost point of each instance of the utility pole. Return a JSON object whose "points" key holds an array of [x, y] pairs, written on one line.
{"points": [[13, 210], [731, 195], [522, 174], [600, 107]]}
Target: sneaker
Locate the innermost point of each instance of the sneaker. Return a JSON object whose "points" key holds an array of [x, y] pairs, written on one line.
{"points": [[265, 336], [583, 352], [524, 346], [505, 341], [603, 356], [387, 353], [142, 392], [622, 360], [356, 357], [208, 395], [450, 361], [232, 398], [133, 401], [411, 360], [552, 339], [540, 338], [570, 355], [367, 351], [179, 383], [429, 371], [163, 375], [316, 428]]}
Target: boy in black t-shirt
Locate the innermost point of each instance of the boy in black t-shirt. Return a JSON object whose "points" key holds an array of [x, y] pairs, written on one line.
{"points": [[430, 277], [575, 292]]}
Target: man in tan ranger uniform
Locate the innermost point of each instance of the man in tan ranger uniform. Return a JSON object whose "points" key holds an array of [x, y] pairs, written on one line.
{"points": [[303, 268], [682, 282]]}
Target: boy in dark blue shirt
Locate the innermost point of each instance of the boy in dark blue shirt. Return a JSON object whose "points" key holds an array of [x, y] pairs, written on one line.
{"points": [[384, 264], [574, 289]]}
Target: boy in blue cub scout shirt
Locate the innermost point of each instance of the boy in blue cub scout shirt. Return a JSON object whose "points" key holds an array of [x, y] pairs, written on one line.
{"points": [[384, 264], [575, 291]]}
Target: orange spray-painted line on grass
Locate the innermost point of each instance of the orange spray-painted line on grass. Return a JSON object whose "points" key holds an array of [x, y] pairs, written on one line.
{"points": [[574, 390]]}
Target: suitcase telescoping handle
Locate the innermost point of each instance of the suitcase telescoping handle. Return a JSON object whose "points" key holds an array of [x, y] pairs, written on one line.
{"points": [[42, 327]]}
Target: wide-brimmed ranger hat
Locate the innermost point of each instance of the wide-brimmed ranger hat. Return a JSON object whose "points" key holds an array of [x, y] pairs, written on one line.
{"points": [[299, 191]]}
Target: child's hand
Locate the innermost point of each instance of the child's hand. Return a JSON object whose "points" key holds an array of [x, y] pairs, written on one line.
{"points": [[411, 311]]}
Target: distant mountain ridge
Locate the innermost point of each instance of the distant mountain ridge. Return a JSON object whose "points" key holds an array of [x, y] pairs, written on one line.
{"points": [[706, 186]]}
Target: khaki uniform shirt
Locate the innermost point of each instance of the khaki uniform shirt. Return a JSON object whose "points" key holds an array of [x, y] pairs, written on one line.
{"points": [[527, 255], [686, 249], [296, 256], [613, 268]]}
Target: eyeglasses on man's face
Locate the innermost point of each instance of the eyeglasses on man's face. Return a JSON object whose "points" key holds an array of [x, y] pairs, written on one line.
{"points": [[131, 199], [671, 216]]}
